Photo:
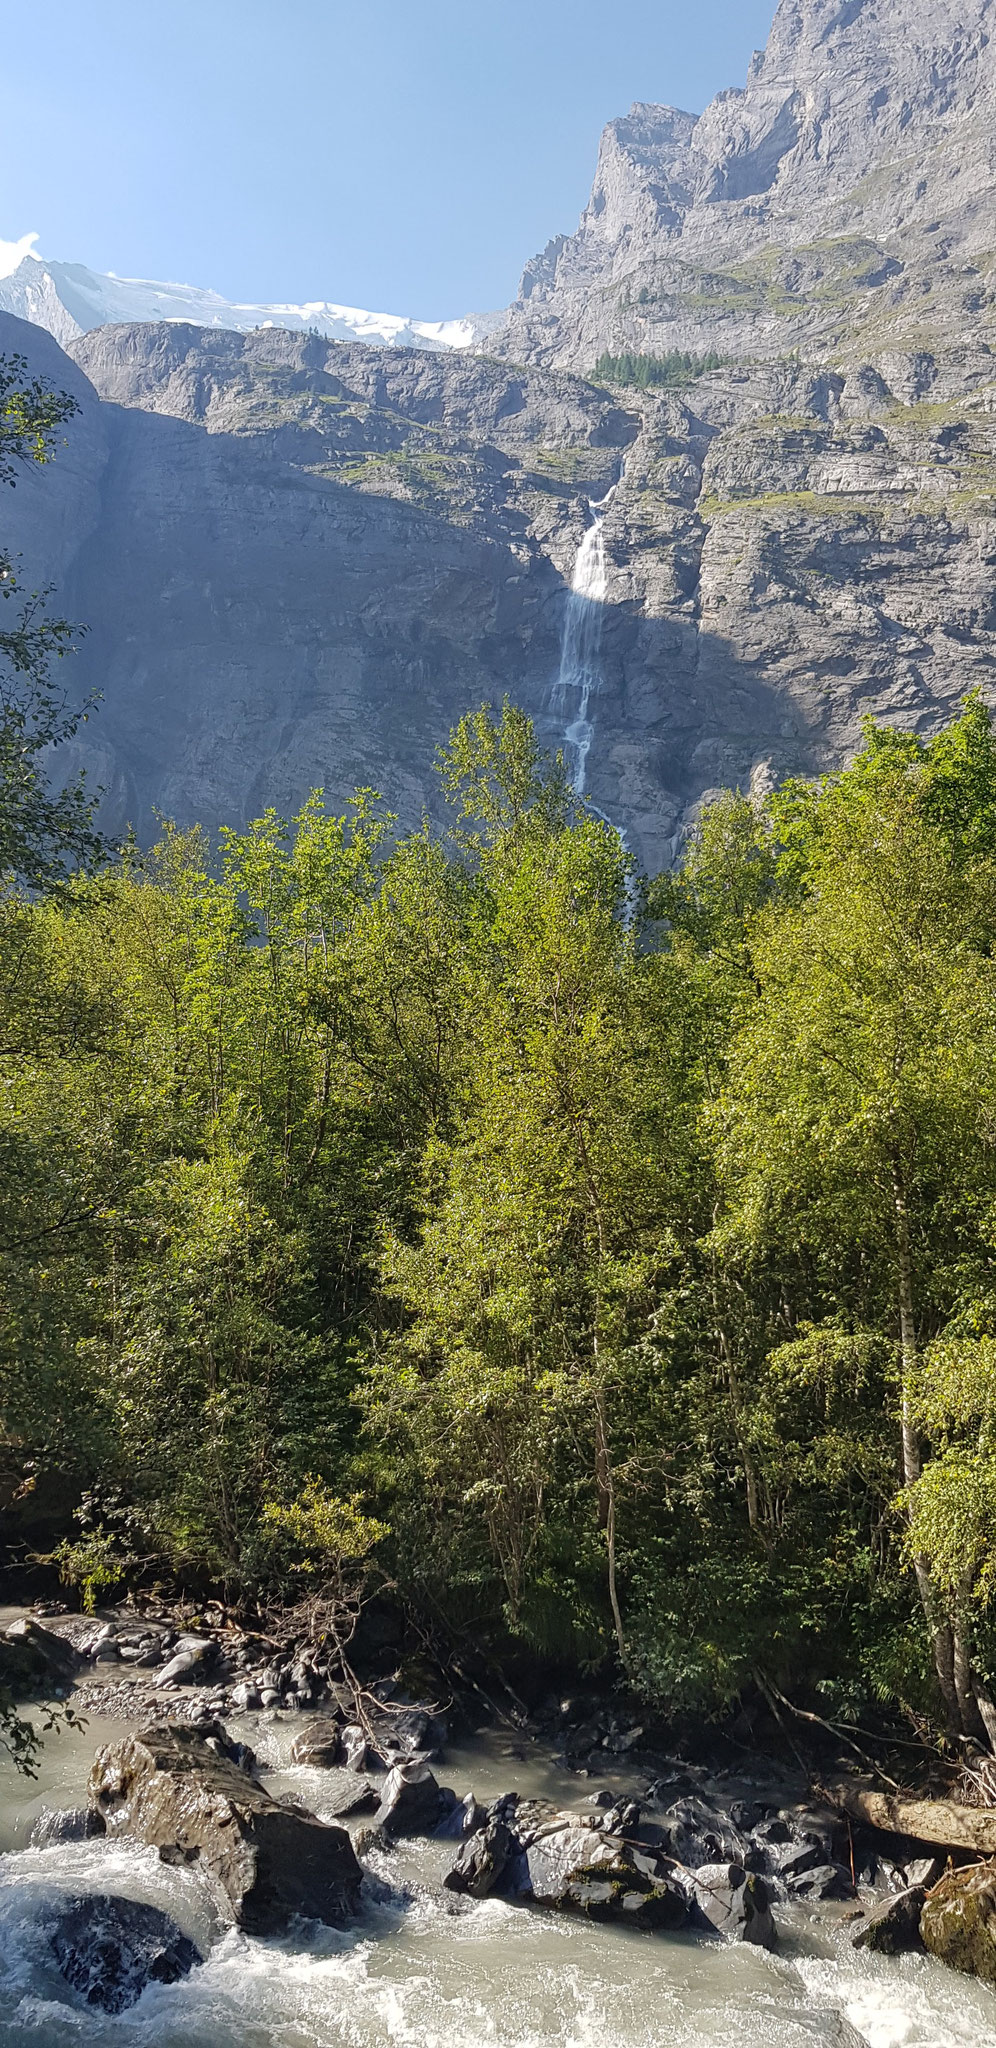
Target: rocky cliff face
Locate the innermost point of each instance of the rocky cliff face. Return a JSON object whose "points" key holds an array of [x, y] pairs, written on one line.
{"points": [[841, 203], [301, 561]]}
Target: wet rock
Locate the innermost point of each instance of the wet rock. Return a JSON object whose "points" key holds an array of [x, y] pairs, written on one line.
{"points": [[109, 1950], [411, 1801], [620, 1818], [345, 1792], [464, 1819], [823, 1881], [167, 1787], [319, 1745], [958, 1922], [583, 1870], [355, 1747], [68, 1824], [245, 1697], [482, 1861], [734, 1903], [893, 1929], [33, 1658], [701, 1834]]}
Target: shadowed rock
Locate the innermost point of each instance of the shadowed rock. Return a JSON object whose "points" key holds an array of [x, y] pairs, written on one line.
{"points": [[109, 1950]]}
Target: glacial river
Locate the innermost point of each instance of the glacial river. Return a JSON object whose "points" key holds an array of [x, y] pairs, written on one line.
{"points": [[426, 1970]]}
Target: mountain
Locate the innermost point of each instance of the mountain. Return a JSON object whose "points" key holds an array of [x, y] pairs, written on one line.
{"points": [[69, 299], [840, 204], [302, 559]]}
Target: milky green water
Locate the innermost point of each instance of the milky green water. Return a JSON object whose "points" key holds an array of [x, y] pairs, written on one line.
{"points": [[428, 1971]]}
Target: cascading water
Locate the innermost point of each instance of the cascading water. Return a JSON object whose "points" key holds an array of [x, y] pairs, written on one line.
{"points": [[580, 671], [423, 1969]]}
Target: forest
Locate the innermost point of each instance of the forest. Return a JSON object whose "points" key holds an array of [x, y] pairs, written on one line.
{"points": [[602, 1269]]}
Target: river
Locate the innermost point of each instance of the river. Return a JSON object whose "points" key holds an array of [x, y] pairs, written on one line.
{"points": [[426, 1970]]}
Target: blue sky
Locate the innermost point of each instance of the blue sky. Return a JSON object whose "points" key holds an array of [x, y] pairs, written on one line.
{"points": [[404, 155]]}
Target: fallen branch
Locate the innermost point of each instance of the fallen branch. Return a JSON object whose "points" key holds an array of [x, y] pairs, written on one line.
{"points": [[935, 1821], [839, 1734]]}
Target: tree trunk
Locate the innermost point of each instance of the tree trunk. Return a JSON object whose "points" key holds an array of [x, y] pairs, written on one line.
{"points": [[942, 1640], [607, 1518], [936, 1821]]}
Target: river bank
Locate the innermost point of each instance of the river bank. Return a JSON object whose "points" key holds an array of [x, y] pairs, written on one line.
{"points": [[424, 1968]]}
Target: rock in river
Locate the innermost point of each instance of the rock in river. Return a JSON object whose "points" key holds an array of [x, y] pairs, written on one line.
{"points": [[893, 1929], [735, 1903], [110, 1949], [958, 1922], [167, 1787]]}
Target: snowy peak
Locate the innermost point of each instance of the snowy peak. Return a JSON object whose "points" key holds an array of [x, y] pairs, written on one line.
{"points": [[69, 299]]}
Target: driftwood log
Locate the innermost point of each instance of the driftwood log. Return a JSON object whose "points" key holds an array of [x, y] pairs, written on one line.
{"points": [[937, 1821]]}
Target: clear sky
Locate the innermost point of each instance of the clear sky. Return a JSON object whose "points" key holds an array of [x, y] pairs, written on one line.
{"points": [[403, 155]]}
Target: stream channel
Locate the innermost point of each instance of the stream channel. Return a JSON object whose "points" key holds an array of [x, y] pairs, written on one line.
{"points": [[427, 1970]]}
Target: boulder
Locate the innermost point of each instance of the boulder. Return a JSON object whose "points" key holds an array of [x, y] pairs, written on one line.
{"points": [[110, 1949], [168, 1787], [734, 1903], [583, 1870], [183, 1667], [958, 1922], [700, 1834], [893, 1929], [483, 1860], [33, 1658], [356, 1750], [69, 1824], [411, 1802], [466, 1818], [319, 1745], [823, 1881]]}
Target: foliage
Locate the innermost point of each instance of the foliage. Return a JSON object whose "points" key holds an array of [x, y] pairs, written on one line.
{"points": [[671, 371], [619, 1287]]}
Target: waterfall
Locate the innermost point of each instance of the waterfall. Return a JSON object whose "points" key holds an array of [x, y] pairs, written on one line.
{"points": [[581, 645]]}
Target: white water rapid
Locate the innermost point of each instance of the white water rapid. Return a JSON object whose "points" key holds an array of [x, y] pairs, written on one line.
{"points": [[580, 672], [423, 1969]]}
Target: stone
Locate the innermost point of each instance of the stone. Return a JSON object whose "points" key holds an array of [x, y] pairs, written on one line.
{"points": [[183, 1666], [319, 1745], [168, 1788], [411, 1802], [958, 1921], [893, 1929], [33, 1658], [482, 1861], [582, 1870], [355, 1747], [110, 1949], [821, 1881], [734, 1903], [66, 1824], [463, 1819]]}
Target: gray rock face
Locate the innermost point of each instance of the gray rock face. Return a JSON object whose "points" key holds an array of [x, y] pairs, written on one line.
{"points": [[302, 561], [307, 572], [851, 178], [169, 1788]]}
